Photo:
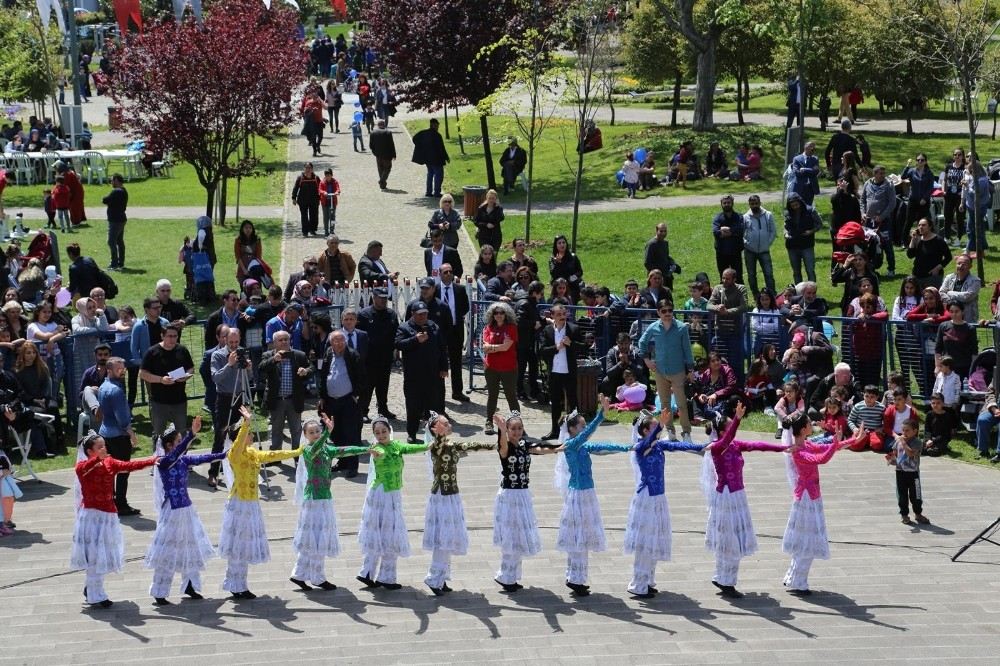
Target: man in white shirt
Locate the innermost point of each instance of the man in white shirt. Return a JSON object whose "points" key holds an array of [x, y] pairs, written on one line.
{"points": [[456, 299], [562, 342]]}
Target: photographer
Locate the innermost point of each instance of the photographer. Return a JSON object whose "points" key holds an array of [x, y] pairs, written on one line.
{"points": [[226, 363], [284, 372]]}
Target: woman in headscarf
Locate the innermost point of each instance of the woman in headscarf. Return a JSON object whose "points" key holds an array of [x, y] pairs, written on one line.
{"points": [[88, 318]]}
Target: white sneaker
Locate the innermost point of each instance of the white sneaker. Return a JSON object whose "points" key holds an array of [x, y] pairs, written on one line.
{"points": [[890, 274], [769, 412], [686, 437], [671, 434]]}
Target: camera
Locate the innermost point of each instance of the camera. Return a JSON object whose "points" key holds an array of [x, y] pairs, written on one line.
{"points": [[241, 357]]}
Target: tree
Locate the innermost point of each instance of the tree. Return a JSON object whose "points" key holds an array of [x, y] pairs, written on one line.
{"points": [[438, 51], [745, 48], [202, 92], [646, 37], [29, 58]]}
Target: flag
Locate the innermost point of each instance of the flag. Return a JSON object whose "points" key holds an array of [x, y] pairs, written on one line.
{"points": [[125, 10], [45, 8], [340, 7]]}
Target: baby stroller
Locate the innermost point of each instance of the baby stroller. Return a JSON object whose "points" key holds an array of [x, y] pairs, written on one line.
{"points": [[852, 238], [261, 272], [973, 395]]}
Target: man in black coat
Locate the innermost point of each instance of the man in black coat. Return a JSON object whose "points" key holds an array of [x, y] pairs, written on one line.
{"points": [[456, 300], [529, 323], [372, 269], [439, 253], [425, 365], [384, 149], [84, 273], [437, 312], [342, 382], [498, 286], [380, 322], [429, 150], [562, 344], [229, 314], [512, 163], [284, 372]]}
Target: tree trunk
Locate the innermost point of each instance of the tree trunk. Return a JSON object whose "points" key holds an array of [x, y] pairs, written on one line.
{"points": [[210, 198], [704, 99], [458, 127], [576, 190], [978, 222], [909, 119], [447, 134], [746, 92], [611, 105], [994, 135], [223, 189], [739, 97], [484, 128], [677, 99]]}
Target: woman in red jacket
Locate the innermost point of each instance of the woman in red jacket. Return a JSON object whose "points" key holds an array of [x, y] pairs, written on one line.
{"points": [[500, 358], [98, 544], [927, 315]]}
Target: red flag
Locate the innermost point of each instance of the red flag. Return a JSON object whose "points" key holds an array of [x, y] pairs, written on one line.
{"points": [[125, 10], [340, 7]]}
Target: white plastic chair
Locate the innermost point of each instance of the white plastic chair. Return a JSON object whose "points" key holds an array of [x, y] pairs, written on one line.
{"points": [[133, 166], [24, 172], [164, 167], [96, 167]]}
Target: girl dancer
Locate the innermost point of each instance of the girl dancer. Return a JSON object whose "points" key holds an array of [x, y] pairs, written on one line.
{"points": [[98, 544], [243, 540], [444, 523], [515, 529], [580, 526], [647, 533], [316, 535], [382, 536], [729, 533], [805, 534], [180, 544]]}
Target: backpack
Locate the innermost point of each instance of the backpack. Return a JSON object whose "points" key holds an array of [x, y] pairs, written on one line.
{"points": [[107, 283]]}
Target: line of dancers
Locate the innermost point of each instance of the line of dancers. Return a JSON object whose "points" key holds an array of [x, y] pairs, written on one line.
{"points": [[180, 544]]}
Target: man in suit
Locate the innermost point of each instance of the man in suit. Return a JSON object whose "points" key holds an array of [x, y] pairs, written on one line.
{"points": [[359, 342], [562, 343], [373, 270], [429, 150], [438, 254], [456, 300], [438, 313], [496, 287], [512, 163], [384, 149], [343, 383], [380, 322], [229, 314], [425, 365], [284, 372]]}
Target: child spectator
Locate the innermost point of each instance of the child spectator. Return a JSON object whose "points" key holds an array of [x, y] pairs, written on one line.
{"points": [[630, 174], [775, 371], [123, 327], [697, 303], [8, 493], [906, 457], [358, 136], [895, 381], [794, 371], [947, 382], [631, 395], [791, 401], [895, 414], [939, 428], [369, 116], [681, 162], [759, 390], [60, 201], [49, 208], [833, 418], [868, 413], [766, 321]]}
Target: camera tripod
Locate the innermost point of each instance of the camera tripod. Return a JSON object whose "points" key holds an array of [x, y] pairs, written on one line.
{"points": [[242, 395], [986, 535]]}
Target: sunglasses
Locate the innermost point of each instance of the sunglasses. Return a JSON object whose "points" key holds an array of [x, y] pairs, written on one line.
{"points": [[665, 311]]}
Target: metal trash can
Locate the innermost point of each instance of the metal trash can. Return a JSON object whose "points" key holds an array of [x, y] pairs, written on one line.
{"points": [[588, 374], [114, 118], [474, 196]]}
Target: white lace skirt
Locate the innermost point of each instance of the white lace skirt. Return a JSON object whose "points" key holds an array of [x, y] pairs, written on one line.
{"points": [[444, 524], [648, 529], [243, 537], [805, 533], [180, 543], [98, 542], [730, 530], [383, 527], [515, 528], [580, 525], [316, 533]]}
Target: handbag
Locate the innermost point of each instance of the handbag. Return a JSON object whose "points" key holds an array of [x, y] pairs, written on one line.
{"points": [[426, 240], [201, 268]]}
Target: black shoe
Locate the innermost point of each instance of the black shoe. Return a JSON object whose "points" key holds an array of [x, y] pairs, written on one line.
{"points": [[245, 594], [460, 397], [389, 415], [653, 589], [551, 435], [366, 419], [84, 591], [327, 585], [301, 583], [390, 586], [646, 595], [578, 589], [161, 601], [730, 592], [350, 474], [446, 588], [428, 195], [129, 511], [368, 582], [508, 587], [438, 591], [800, 593], [191, 592], [107, 603], [413, 440]]}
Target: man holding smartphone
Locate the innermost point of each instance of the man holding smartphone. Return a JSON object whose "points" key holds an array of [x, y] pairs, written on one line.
{"points": [[284, 372]]}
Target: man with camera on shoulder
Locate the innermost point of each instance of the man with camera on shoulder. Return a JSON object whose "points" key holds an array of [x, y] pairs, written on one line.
{"points": [[227, 362], [284, 372]]}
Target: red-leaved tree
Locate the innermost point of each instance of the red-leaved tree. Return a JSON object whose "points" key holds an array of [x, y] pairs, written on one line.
{"points": [[201, 92], [445, 52]]}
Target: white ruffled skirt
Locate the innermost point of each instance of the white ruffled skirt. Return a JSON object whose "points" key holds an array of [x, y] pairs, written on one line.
{"points": [[648, 529], [316, 533], [383, 526], [180, 543], [444, 524], [730, 530], [98, 542], [805, 533], [243, 537], [515, 528], [580, 525]]}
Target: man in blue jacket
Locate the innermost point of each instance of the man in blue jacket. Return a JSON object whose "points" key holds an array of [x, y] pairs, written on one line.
{"points": [[116, 427], [666, 346]]}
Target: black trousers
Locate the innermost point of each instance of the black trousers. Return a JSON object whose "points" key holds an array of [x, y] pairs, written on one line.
{"points": [[120, 448], [456, 340], [527, 359], [562, 395], [346, 426], [423, 394], [309, 214], [908, 492], [953, 216], [379, 373], [384, 166], [225, 414], [734, 261]]}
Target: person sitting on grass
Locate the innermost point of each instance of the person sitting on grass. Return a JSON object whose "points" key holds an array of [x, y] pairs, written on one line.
{"points": [[868, 413], [631, 395], [939, 427]]}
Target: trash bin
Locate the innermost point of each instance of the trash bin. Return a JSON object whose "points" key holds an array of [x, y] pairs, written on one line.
{"points": [[114, 118], [474, 196], [588, 373]]}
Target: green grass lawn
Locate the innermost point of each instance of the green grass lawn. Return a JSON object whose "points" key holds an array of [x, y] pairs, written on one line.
{"points": [[181, 189]]}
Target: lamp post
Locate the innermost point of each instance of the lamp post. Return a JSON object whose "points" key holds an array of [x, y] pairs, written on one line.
{"points": [[74, 49]]}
